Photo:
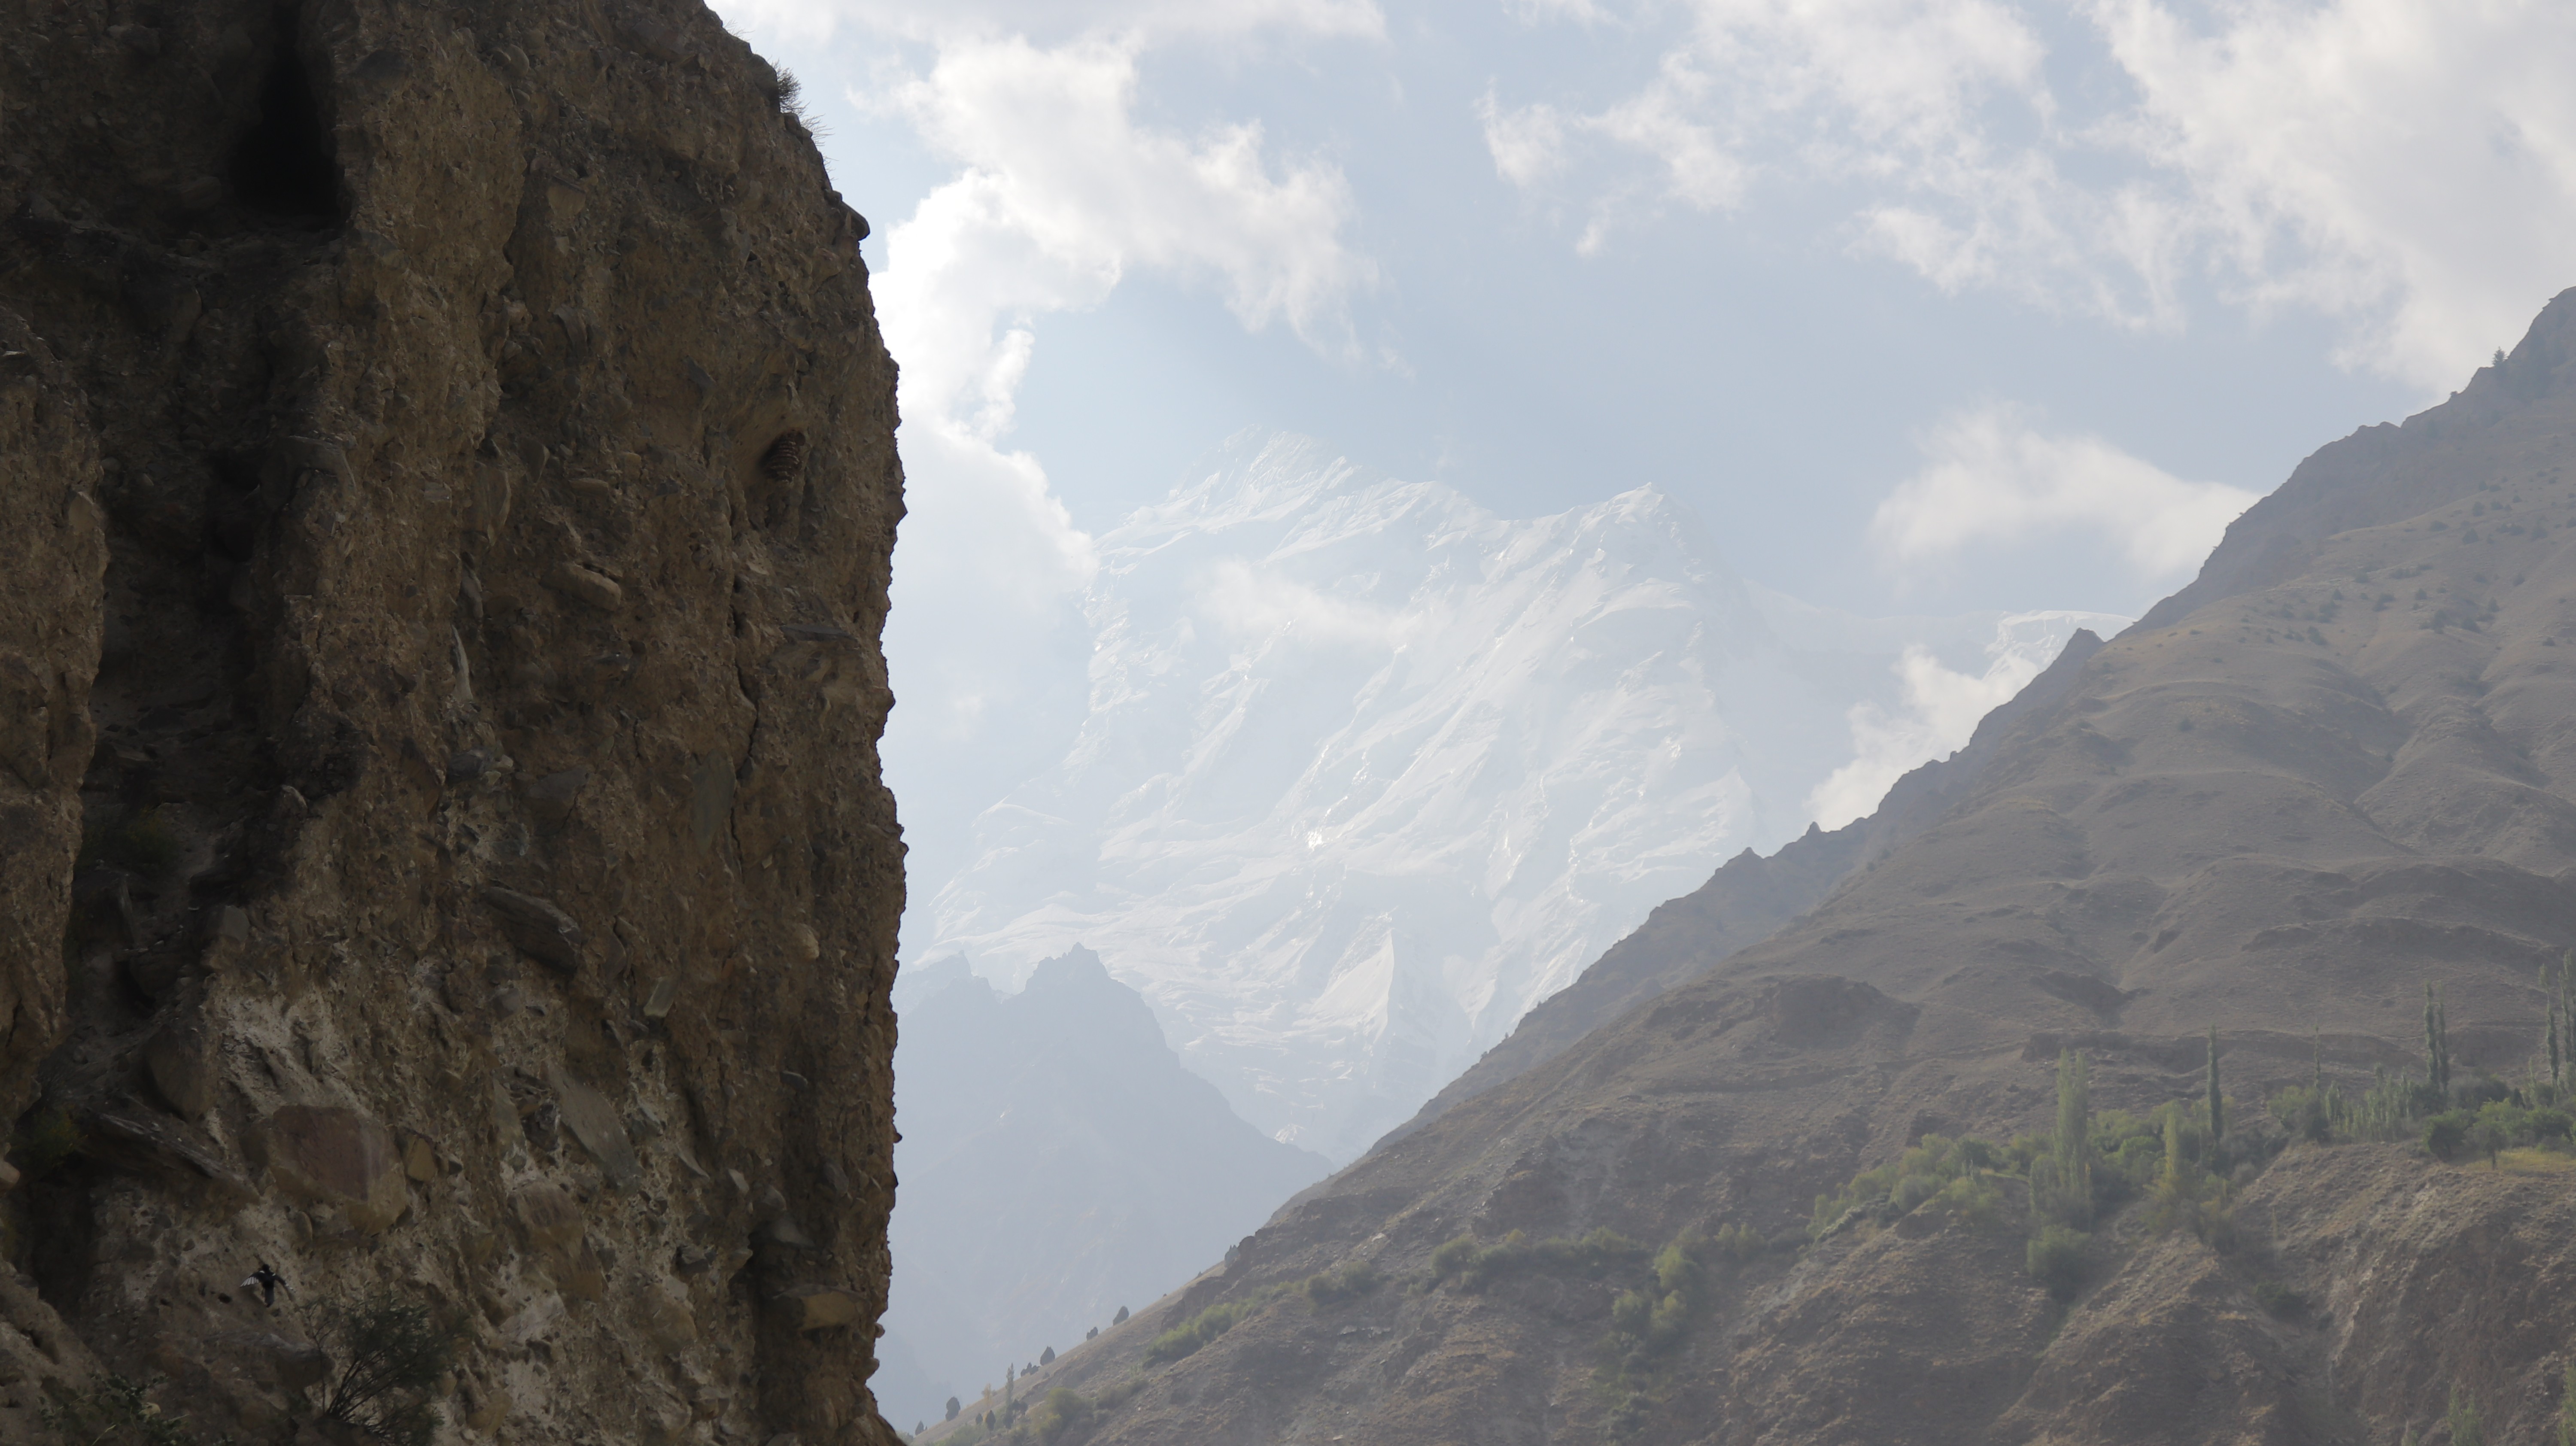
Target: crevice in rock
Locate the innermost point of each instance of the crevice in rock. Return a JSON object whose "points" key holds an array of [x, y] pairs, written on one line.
{"points": [[284, 167]]}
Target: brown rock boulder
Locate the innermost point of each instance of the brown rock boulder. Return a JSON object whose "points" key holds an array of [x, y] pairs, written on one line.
{"points": [[820, 1307], [549, 1216], [595, 1123], [337, 1158], [181, 1068], [541, 931]]}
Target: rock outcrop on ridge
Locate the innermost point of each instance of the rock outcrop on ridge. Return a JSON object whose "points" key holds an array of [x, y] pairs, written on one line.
{"points": [[447, 483], [2335, 770]]}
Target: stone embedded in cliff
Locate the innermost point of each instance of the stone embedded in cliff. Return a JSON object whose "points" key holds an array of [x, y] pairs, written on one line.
{"points": [[150, 1144], [486, 1408], [549, 1217], [420, 1160], [335, 1157], [820, 1307], [588, 587], [180, 1066], [534, 1320], [662, 1313], [657, 1001], [291, 1364], [542, 931], [551, 798], [579, 1274], [227, 935], [711, 786], [596, 1124]]}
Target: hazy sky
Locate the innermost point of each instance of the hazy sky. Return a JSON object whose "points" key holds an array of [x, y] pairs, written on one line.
{"points": [[1924, 305]]}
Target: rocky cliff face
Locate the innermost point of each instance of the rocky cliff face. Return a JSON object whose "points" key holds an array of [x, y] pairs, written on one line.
{"points": [[446, 487], [2336, 769]]}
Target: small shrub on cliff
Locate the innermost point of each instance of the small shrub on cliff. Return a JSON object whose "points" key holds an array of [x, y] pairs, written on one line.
{"points": [[113, 1412], [392, 1352], [2567, 1407], [146, 844], [46, 1139]]}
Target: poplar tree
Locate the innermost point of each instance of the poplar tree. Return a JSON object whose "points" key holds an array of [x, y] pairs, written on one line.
{"points": [[2437, 1042], [2217, 1100], [2062, 1180]]}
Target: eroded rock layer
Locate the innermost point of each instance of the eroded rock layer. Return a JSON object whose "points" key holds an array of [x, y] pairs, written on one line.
{"points": [[447, 483]]}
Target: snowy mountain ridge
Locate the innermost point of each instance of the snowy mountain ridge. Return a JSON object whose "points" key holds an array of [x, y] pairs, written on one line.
{"points": [[1368, 771]]}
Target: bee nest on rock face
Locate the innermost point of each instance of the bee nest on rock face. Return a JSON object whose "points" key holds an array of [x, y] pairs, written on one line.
{"points": [[785, 457]]}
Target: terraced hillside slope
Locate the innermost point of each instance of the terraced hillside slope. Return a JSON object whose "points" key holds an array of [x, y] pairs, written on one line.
{"points": [[447, 481], [2338, 768]]}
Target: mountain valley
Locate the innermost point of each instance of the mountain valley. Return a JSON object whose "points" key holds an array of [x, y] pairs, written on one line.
{"points": [[2309, 825]]}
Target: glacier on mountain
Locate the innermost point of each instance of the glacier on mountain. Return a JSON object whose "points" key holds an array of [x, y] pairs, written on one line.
{"points": [[1367, 771]]}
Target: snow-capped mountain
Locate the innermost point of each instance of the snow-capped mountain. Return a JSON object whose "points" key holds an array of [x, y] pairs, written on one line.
{"points": [[1368, 771]]}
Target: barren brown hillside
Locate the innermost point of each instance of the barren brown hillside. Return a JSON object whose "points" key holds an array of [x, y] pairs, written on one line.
{"points": [[2339, 767]]}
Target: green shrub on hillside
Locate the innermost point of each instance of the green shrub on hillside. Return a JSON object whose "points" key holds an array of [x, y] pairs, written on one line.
{"points": [[1207, 1325], [1650, 1320], [2186, 1196], [1737, 1244], [1475, 1266], [2055, 1258], [1063, 1411], [1347, 1281], [2446, 1135], [2467, 1428], [2310, 1114], [1954, 1177]]}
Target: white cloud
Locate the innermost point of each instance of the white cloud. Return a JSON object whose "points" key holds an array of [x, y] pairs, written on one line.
{"points": [[1145, 21], [1990, 479], [1528, 144], [1061, 191], [2405, 167]]}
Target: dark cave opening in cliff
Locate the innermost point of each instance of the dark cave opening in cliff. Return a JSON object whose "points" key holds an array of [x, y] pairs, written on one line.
{"points": [[284, 167]]}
